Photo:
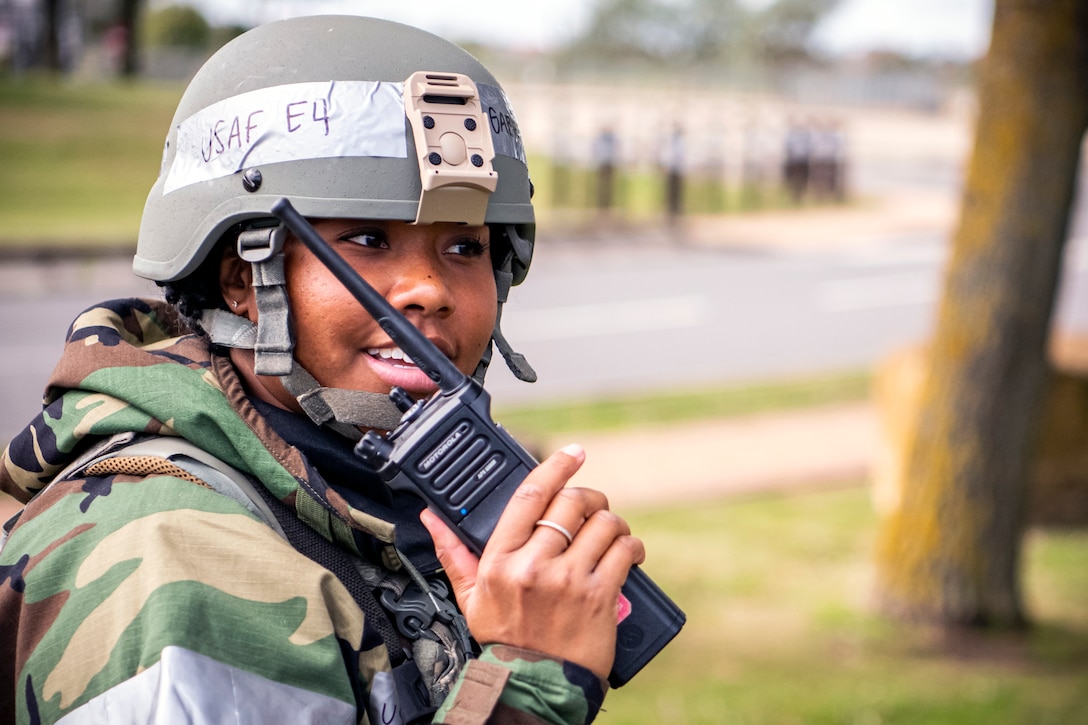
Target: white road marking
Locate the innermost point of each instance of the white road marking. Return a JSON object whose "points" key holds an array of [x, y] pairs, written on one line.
{"points": [[927, 253], [889, 290], [608, 318], [910, 288]]}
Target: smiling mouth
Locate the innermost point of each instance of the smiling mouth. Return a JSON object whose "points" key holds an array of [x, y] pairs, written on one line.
{"points": [[392, 355]]}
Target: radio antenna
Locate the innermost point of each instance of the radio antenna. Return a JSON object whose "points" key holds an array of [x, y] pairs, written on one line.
{"points": [[423, 352]]}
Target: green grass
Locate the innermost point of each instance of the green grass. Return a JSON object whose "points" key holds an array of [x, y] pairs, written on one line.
{"points": [[617, 413], [780, 628], [78, 160]]}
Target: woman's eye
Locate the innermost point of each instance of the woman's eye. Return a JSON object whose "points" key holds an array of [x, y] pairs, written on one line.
{"points": [[375, 240], [468, 247]]}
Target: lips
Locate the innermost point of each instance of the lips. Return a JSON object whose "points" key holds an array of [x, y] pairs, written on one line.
{"points": [[393, 354], [395, 368]]}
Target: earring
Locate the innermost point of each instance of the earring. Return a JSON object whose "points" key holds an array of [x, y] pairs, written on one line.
{"points": [[234, 304]]}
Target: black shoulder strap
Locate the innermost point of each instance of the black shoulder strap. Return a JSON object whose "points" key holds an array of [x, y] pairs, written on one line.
{"points": [[320, 550], [414, 700]]}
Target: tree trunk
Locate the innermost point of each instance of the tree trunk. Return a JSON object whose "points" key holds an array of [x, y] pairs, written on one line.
{"points": [[950, 551], [128, 19], [50, 37]]}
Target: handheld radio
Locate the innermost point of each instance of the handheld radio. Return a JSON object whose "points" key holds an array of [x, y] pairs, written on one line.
{"points": [[448, 450]]}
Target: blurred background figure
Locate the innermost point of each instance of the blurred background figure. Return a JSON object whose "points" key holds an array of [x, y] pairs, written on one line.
{"points": [[673, 162], [827, 161], [797, 159], [605, 155]]}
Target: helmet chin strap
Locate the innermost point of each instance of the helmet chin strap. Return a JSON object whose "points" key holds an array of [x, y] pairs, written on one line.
{"points": [[272, 341], [519, 366], [339, 409]]}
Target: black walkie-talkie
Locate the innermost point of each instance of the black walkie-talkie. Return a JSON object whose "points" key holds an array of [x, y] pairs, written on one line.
{"points": [[448, 450]]}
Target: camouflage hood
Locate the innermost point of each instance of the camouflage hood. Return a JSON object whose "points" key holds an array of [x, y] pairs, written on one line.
{"points": [[130, 366]]}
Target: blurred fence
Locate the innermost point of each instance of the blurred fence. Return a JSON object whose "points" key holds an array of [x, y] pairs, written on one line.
{"points": [[616, 148]]}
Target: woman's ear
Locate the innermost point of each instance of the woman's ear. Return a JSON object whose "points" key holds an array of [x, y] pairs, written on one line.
{"points": [[236, 284]]}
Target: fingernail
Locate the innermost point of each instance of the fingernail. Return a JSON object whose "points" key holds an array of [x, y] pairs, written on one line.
{"points": [[573, 450]]}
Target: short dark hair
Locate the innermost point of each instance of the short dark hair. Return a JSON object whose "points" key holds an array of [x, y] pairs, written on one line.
{"points": [[199, 290]]}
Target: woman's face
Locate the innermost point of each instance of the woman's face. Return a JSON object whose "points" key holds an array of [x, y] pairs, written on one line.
{"points": [[438, 275]]}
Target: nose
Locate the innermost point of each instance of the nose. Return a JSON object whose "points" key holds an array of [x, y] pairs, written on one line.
{"points": [[421, 286]]}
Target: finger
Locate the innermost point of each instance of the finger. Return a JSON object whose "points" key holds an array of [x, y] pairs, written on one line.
{"points": [[565, 515], [532, 497], [459, 562], [576, 504], [596, 536], [624, 553], [616, 572], [555, 542]]}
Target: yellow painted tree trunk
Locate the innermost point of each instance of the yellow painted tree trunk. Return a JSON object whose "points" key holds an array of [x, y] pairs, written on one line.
{"points": [[949, 552]]}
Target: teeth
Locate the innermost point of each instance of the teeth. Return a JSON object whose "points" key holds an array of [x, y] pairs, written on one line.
{"points": [[390, 353]]}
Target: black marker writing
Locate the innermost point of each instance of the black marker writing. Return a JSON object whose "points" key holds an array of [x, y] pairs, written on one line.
{"points": [[325, 111], [227, 134], [503, 123], [216, 145], [292, 114], [250, 125], [235, 134], [291, 128]]}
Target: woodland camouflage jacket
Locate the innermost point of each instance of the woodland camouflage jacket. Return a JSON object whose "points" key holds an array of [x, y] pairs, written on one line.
{"points": [[134, 593]]}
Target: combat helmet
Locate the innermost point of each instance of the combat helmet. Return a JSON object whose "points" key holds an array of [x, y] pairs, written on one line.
{"points": [[347, 117]]}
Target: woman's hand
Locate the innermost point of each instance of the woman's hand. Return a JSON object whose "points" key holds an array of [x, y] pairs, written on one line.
{"points": [[533, 589]]}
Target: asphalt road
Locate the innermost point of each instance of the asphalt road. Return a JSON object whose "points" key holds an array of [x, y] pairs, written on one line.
{"points": [[623, 319], [609, 315]]}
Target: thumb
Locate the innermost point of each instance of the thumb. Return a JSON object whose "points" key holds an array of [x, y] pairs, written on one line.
{"points": [[456, 558]]}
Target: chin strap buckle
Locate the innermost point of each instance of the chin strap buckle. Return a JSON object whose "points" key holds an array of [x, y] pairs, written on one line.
{"points": [[262, 247], [262, 241]]}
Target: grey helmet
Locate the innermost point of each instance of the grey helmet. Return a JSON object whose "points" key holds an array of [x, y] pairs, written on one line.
{"points": [[347, 117]]}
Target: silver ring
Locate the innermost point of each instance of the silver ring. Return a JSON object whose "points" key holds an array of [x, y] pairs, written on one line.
{"points": [[552, 525]]}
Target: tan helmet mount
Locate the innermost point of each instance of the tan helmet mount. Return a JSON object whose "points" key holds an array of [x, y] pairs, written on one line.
{"points": [[453, 147]]}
